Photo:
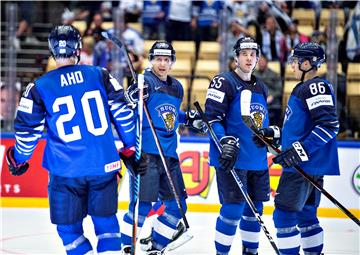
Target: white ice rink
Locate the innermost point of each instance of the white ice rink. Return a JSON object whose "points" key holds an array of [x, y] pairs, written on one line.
{"points": [[29, 231]]}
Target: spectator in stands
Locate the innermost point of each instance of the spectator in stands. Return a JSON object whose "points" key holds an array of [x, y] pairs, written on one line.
{"points": [[153, 16], [87, 51], [134, 42], [132, 8], [274, 84], [25, 28], [181, 21], [136, 47], [207, 19], [105, 10], [353, 37], [88, 9], [276, 9], [9, 101], [96, 29], [244, 10], [293, 37], [320, 38], [237, 30], [271, 41]]}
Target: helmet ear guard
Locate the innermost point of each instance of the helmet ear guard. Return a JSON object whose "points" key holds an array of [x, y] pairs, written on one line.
{"points": [[162, 48], [65, 42]]}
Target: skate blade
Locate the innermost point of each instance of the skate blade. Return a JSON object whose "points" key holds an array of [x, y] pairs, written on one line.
{"points": [[184, 238]]}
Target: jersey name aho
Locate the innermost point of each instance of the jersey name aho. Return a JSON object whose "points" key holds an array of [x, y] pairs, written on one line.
{"points": [[223, 110], [310, 118], [76, 104]]}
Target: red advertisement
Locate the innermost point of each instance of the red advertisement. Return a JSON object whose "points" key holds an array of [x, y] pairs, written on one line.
{"points": [[31, 184]]}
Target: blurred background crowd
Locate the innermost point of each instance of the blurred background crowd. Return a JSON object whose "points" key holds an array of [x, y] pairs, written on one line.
{"points": [[202, 33]]}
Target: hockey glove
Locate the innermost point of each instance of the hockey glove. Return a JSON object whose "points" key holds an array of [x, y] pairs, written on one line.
{"points": [[134, 166], [132, 94], [272, 133], [193, 120], [292, 156], [230, 149], [14, 168]]}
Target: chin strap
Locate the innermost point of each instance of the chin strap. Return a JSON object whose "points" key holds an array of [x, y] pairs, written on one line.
{"points": [[304, 72]]}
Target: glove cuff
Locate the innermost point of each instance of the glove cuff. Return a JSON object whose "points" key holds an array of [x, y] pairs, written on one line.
{"points": [[300, 151], [276, 130]]}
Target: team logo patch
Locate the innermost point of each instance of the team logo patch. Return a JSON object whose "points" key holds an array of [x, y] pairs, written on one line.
{"points": [[319, 100], [168, 114], [116, 165], [258, 113], [26, 105], [215, 95]]}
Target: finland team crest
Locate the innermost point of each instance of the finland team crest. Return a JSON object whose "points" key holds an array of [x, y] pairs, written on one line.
{"points": [[258, 113], [168, 114]]}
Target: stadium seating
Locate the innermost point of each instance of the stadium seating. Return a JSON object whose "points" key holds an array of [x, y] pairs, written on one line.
{"points": [[184, 50], [209, 50], [325, 16], [304, 16], [353, 71], [207, 68], [199, 90]]}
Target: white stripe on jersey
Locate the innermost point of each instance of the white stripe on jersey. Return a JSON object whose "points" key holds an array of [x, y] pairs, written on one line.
{"points": [[330, 136], [319, 136]]}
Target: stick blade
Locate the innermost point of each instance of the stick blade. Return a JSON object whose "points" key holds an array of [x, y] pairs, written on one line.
{"points": [[181, 240]]}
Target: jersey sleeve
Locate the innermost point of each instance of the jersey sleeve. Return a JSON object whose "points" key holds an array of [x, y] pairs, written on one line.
{"points": [[218, 98], [122, 116], [182, 117], [29, 123], [319, 99]]}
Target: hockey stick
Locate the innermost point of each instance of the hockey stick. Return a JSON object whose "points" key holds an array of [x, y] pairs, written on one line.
{"points": [[245, 114], [136, 179], [237, 179], [186, 236]]}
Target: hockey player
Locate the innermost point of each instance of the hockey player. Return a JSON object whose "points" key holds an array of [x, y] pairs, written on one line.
{"points": [[309, 139], [163, 96], [76, 104], [222, 108]]}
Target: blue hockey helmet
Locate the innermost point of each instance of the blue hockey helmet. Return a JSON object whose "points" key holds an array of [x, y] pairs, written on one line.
{"points": [[65, 42], [162, 48], [310, 51], [246, 43]]}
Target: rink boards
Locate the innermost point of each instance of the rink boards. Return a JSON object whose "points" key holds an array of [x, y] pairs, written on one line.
{"points": [[30, 190]]}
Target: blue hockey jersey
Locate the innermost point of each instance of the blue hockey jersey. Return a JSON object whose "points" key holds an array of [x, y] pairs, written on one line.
{"points": [[76, 104], [223, 111], [164, 107], [311, 119]]}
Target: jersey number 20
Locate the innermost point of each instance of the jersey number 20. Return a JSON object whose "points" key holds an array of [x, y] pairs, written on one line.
{"points": [[69, 102]]}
